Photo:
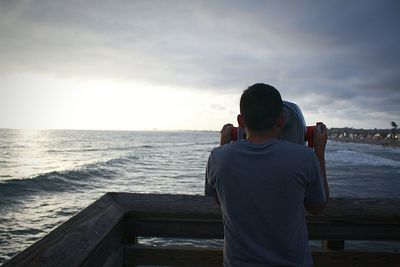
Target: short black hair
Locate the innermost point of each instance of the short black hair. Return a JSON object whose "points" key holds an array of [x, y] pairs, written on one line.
{"points": [[260, 106]]}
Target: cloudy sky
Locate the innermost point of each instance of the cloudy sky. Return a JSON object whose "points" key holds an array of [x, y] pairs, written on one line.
{"points": [[134, 65]]}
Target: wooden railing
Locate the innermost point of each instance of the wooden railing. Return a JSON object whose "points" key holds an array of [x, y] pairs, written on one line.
{"points": [[109, 232]]}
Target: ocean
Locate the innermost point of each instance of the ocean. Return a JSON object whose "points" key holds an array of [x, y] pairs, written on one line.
{"points": [[47, 176]]}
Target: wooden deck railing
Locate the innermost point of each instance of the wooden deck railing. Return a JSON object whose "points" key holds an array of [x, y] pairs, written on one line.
{"points": [[106, 233]]}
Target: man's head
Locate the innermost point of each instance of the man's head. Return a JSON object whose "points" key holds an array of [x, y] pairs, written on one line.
{"points": [[260, 107]]}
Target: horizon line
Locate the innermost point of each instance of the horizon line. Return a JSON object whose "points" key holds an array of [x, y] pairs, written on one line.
{"points": [[158, 130]]}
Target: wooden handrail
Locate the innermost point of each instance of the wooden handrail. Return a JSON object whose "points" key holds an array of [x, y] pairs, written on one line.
{"points": [[105, 233]]}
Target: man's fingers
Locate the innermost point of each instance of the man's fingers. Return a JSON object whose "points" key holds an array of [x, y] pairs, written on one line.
{"points": [[226, 134], [321, 124], [321, 127], [226, 127]]}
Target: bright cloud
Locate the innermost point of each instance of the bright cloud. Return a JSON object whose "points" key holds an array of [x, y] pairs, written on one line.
{"points": [[183, 65]]}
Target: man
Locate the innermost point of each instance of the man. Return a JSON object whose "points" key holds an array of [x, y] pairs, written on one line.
{"points": [[263, 185]]}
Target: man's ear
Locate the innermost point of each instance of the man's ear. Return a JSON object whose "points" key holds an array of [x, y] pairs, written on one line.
{"points": [[240, 121], [281, 120]]}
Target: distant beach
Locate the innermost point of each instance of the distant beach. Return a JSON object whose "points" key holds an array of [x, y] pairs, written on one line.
{"points": [[380, 142], [381, 137]]}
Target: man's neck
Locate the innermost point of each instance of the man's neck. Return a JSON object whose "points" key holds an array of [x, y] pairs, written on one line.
{"points": [[262, 137]]}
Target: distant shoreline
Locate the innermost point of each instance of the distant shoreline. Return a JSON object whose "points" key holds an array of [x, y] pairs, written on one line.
{"points": [[369, 141]]}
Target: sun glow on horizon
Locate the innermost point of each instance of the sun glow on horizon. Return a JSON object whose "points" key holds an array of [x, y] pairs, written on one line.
{"points": [[33, 101], [44, 102]]}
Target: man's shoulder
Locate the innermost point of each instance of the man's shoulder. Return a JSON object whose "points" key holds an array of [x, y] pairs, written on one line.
{"points": [[297, 153], [289, 146], [225, 153], [279, 146], [222, 150]]}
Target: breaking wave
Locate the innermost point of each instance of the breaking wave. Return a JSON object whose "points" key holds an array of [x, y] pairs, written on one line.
{"points": [[357, 158], [84, 177]]}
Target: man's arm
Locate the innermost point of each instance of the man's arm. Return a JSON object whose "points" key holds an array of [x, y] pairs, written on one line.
{"points": [[209, 190], [320, 139], [224, 139]]}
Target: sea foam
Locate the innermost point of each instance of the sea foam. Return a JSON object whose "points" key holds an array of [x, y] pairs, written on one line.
{"points": [[355, 158]]}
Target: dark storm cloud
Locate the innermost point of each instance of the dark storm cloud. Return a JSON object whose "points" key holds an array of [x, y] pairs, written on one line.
{"points": [[331, 57]]}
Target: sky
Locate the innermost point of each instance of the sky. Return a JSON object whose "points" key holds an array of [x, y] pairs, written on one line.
{"points": [[182, 65]]}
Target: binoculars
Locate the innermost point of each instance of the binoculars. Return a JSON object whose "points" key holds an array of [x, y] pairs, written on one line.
{"points": [[294, 129]]}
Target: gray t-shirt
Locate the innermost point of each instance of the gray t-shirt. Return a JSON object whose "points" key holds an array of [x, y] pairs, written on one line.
{"points": [[262, 190]]}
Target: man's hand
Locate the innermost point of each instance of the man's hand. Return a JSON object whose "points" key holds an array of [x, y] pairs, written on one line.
{"points": [[226, 134], [320, 139]]}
